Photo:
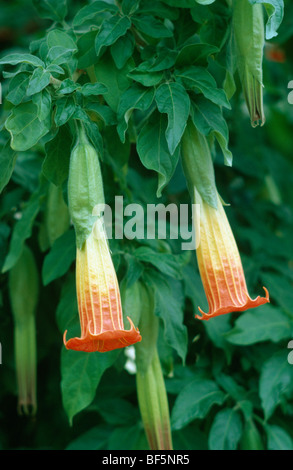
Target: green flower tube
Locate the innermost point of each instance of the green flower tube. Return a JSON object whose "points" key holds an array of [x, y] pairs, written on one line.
{"points": [[151, 390], [249, 35], [23, 290]]}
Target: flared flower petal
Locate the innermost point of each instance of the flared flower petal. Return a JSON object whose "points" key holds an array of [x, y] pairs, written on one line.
{"points": [[99, 302], [220, 265]]}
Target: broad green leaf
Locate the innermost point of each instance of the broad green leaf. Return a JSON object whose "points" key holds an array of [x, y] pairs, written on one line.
{"points": [[278, 438], [56, 163], [111, 30], [38, 81], [167, 263], [281, 289], [161, 10], [153, 150], [59, 55], [68, 86], [17, 88], [25, 127], [173, 100], [115, 80], [94, 89], [122, 49], [65, 108], [275, 11], [199, 79], [276, 381], [87, 50], [209, 120], [135, 97], [226, 430], [90, 12], [195, 54], [151, 26], [94, 439], [60, 257], [15, 59], [57, 37], [146, 78], [130, 6], [55, 10], [7, 162], [194, 402], [23, 228], [43, 101], [266, 323], [170, 312], [164, 59], [81, 373]]}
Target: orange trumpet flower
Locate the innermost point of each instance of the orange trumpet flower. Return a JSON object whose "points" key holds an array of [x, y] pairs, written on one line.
{"points": [[220, 265], [99, 302]]}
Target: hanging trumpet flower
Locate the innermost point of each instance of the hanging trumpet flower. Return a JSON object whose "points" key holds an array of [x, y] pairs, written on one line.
{"points": [[249, 34], [218, 257], [98, 293]]}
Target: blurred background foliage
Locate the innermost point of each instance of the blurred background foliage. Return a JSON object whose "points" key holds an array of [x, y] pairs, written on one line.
{"points": [[242, 358]]}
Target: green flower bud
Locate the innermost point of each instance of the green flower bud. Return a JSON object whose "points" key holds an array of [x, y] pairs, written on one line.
{"points": [[23, 290], [151, 390], [249, 34], [85, 187]]}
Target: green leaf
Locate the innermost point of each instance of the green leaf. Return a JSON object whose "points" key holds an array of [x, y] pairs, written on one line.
{"points": [[38, 81], [43, 101], [195, 401], [153, 150], [170, 312], [278, 438], [161, 10], [195, 54], [226, 430], [173, 100], [275, 11], [7, 162], [65, 108], [122, 49], [57, 37], [276, 381], [60, 257], [56, 163], [151, 26], [55, 10], [94, 89], [68, 86], [23, 228], [59, 55], [199, 79], [167, 263], [17, 88], [146, 78], [81, 373], [266, 323], [94, 439], [135, 97], [90, 12], [87, 50], [25, 127], [15, 59], [209, 120], [111, 30], [115, 80]]}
